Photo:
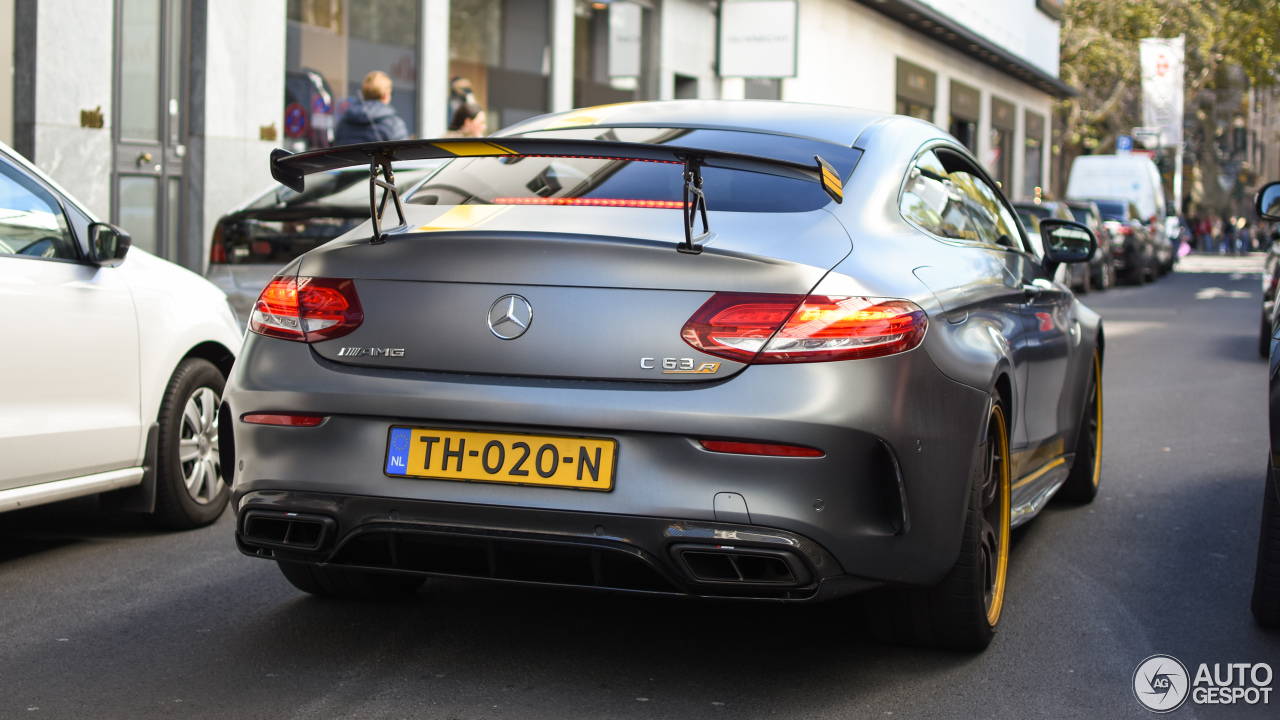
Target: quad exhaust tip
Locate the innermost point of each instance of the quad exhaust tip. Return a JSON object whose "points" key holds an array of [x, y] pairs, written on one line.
{"points": [[288, 531], [741, 566]]}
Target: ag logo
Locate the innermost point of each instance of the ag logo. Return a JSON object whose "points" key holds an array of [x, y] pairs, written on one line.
{"points": [[1160, 683]]}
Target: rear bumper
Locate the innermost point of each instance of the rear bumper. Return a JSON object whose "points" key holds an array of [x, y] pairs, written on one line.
{"points": [[612, 552], [886, 501]]}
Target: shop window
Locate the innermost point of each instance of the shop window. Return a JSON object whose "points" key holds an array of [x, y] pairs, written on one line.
{"points": [[965, 102], [613, 61], [999, 161], [917, 91], [762, 88], [1033, 157], [686, 88], [503, 50], [330, 46]]}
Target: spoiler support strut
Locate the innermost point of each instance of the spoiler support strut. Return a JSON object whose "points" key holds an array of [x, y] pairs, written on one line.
{"points": [[695, 203], [377, 209]]}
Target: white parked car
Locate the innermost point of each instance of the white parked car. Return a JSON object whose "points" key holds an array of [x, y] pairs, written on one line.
{"points": [[114, 363]]}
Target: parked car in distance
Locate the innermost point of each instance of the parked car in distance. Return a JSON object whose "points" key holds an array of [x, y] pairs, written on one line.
{"points": [[852, 373], [1266, 582], [1270, 282], [1076, 276], [1130, 177], [258, 237], [1102, 269], [1133, 248], [117, 363]]}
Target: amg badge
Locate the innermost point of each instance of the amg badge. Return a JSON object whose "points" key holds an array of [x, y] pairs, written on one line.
{"points": [[371, 352]]}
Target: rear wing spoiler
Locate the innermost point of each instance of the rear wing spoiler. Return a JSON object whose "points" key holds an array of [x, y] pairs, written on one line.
{"points": [[290, 169]]}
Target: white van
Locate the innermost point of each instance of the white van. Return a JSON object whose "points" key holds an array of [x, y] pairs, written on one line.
{"points": [[1125, 177], [1129, 177]]}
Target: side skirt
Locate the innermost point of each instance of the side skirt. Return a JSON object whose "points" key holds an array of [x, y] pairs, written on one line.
{"points": [[1031, 492]]}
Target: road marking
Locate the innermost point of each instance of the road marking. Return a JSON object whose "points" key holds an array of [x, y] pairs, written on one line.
{"points": [[1210, 293]]}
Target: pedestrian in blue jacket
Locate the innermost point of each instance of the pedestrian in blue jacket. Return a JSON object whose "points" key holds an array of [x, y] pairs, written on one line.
{"points": [[372, 119]]}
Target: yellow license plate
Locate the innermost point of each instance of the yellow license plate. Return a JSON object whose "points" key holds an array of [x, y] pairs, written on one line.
{"points": [[552, 461]]}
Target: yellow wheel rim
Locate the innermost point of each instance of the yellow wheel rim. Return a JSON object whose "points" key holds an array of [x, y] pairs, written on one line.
{"points": [[1097, 409], [1000, 467]]}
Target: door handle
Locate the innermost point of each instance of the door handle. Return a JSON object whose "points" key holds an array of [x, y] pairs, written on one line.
{"points": [[1032, 291], [144, 157]]}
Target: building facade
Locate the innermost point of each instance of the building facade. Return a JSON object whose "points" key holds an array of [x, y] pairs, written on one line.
{"points": [[160, 114]]}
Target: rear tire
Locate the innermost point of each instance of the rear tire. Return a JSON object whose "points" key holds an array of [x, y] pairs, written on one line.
{"points": [[344, 584], [190, 492], [1081, 486], [963, 611], [1266, 581], [1134, 273]]}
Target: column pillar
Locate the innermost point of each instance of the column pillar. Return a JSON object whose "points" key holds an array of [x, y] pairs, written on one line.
{"points": [[433, 69], [562, 27]]}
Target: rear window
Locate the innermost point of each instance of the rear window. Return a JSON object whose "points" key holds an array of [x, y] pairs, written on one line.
{"points": [[282, 224], [525, 180], [1080, 214], [1113, 210]]}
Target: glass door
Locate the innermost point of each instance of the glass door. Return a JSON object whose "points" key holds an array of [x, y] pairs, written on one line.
{"points": [[149, 110]]}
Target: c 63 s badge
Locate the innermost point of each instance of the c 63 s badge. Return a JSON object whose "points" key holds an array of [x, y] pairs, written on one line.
{"points": [[679, 366]]}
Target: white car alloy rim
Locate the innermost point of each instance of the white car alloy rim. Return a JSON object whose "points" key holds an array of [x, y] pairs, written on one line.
{"points": [[198, 446]]}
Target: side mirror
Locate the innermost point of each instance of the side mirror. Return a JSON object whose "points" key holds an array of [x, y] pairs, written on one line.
{"points": [[1268, 201], [108, 244], [1066, 242]]}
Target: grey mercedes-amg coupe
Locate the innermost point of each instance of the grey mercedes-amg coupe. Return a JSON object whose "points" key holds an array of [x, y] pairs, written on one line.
{"points": [[714, 348]]}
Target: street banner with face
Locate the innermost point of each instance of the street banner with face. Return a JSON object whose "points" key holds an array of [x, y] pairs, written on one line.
{"points": [[1162, 61]]}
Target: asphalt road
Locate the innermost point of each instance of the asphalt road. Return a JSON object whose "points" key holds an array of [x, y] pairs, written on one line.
{"points": [[103, 617]]}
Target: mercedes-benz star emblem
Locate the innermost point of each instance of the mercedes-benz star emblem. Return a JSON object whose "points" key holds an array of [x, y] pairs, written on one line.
{"points": [[509, 317]]}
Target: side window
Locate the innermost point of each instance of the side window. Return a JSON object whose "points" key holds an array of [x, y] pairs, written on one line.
{"points": [[995, 223], [31, 221], [932, 201]]}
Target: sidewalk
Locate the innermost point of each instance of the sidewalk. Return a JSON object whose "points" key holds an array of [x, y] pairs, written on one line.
{"points": [[1194, 263]]}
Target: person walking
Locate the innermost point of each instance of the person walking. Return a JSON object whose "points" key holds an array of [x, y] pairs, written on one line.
{"points": [[460, 93], [372, 119], [467, 121]]}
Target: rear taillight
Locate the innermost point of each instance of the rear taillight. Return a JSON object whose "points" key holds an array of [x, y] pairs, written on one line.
{"points": [[217, 250], [768, 329], [307, 309]]}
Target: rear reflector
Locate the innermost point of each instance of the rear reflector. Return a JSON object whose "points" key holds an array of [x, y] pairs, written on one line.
{"points": [[741, 448], [287, 420], [307, 309], [770, 329]]}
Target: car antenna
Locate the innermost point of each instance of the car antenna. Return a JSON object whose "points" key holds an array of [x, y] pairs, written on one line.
{"points": [[378, 209], [692, 244]]}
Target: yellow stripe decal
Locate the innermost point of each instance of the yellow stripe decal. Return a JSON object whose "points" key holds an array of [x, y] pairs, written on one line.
{"points": [[464, 217], [1039, 473], [472, 149], [586, 116]]}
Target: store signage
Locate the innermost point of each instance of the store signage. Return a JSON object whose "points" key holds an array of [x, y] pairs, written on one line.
{"points": [[1162, 61], [625, 32], [758, 38]]}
